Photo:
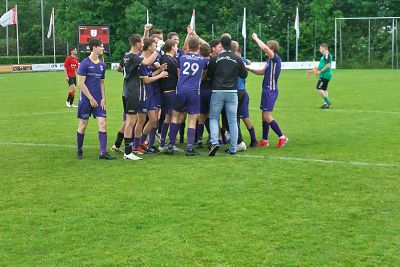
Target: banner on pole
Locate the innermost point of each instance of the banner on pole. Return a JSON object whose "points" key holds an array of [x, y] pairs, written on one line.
{"points": [[9, 18], [51, 24]]}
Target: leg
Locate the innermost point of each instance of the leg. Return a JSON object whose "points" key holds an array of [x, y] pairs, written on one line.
{"points": [[102, 122], [139, 128], [174, 127], [231, 106], [80, 134], [216, 106], [130, 123]]}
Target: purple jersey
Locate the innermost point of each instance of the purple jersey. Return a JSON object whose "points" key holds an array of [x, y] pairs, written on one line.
{"points": [[272, 71], [191, 71], [147, 88], [94, 72]]}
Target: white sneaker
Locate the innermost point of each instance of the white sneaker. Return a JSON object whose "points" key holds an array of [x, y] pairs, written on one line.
{"points": [[241, 147], [177, 149], [162, 148], [131, 156], [117, 149], [67, 104], [73, 106]]}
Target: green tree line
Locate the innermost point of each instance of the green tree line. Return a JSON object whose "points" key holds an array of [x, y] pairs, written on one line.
{"points": [[129, 16]]}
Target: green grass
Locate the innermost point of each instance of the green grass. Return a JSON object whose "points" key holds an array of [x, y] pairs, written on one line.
{"points": [[329, 198]]}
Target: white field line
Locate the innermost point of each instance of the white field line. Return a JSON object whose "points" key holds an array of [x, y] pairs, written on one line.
{"points": [[323, 161]]}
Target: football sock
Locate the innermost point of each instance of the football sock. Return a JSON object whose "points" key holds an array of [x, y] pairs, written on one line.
{"points": [[252, 133], [207, 125], [275, 128], [152, 137], [164, 130], [265, 126], [136, 142], [103, 142], [173, 131], [190, 137], [128, 145], [143, 137], [200, 130], [120, 137], [327, 100], [79, 139]]}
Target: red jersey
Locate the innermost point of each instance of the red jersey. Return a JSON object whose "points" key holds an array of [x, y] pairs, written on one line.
{"points": [[71, 65]]}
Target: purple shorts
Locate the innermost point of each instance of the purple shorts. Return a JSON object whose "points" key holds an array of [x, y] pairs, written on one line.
{"points": [[268, 99], [205, 98], [145, 106], [188, 102], [168, 100], [244, 109], [157, 98], [85, 110]]}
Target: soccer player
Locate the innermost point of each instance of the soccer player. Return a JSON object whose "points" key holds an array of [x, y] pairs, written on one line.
{"points": [[205, 92], [224, 71], [187, 98], [92, 98], [147, 106], [132, 88], [168, 87], [179, 52], [324, 73], [269, 94], [70, 71]]}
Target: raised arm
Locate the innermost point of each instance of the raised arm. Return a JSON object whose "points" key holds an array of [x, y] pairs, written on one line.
{"points": [[147, 29], [264, 47]]}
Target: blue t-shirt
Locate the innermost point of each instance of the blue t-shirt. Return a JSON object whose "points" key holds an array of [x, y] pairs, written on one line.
{"points": [[271, 75], [191, 68], [148, 88], [94, 72], [242, 82]]}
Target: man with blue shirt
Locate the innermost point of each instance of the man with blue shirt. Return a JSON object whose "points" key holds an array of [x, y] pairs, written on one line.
{"points": [[92, 100]]}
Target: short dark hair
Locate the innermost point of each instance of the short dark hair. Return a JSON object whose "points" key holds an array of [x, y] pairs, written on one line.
{"points": [[156, 31], [168, 45], [72, 49], [134, 39], [193, 44], [214, 43], [93, 43], [226, 42], [205, 50], [324, 45], [147, 42], [172, 34]]}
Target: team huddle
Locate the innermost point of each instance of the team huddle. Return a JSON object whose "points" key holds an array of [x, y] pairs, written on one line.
{"points": [[165, 86]]}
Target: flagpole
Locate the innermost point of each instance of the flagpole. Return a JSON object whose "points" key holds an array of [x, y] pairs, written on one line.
{"points": [[259, 25], [16, 13], [147, 16], [41, 12], [54, 35], [7, 31], [244, 32]]}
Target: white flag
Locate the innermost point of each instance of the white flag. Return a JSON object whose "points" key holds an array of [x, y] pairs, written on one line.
{"points": [[9, 18], [244, 34], [192, 20], [51, 25], [297, 24]]}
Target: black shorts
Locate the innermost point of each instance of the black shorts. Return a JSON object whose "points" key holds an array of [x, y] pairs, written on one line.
{"points": [[131, 105], [322, 84], [71, 80]]}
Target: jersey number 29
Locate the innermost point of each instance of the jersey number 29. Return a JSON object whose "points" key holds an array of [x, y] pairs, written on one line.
{"points": [[193, 67]]}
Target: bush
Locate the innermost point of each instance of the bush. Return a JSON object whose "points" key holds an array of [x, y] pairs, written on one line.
{"points": [[4, 60]]}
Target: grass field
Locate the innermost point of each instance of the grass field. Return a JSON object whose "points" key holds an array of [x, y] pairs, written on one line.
{"points": [[330, 197]]}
